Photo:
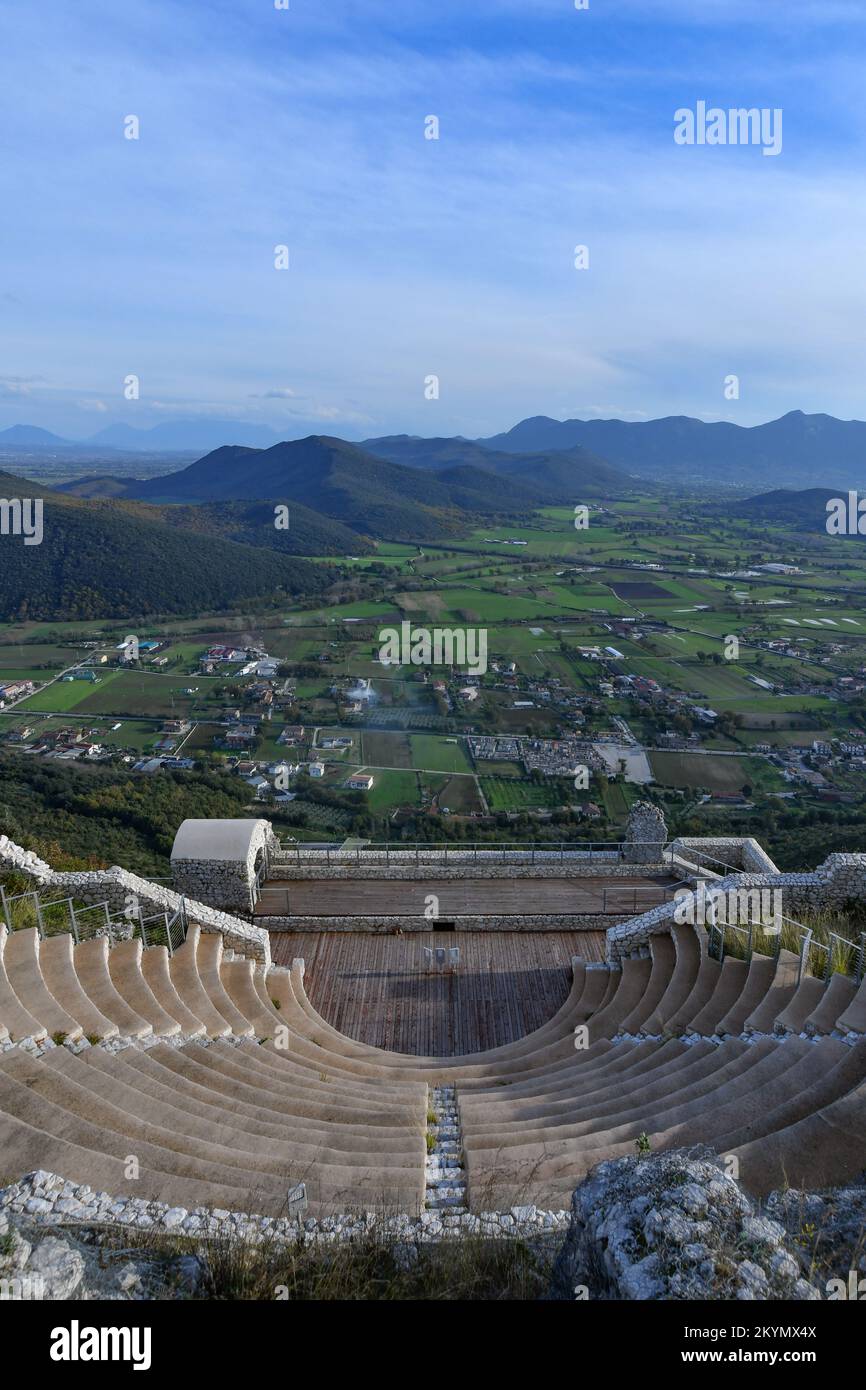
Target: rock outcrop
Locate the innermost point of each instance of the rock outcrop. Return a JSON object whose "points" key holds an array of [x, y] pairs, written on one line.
{"points": [[675, 1226]]}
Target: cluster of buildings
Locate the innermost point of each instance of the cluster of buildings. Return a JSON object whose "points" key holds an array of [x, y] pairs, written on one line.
{"points": [[68, 743], [144, 650], [249, 660], [10, 691]]}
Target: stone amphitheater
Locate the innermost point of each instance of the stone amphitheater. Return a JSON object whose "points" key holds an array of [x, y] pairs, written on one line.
{"points": [[194, 1076]]}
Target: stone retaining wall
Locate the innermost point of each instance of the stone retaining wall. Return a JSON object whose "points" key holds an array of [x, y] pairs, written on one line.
{"points": [[739, 852], [840, 880], [543, 922], [553, 868], [123, 890]]}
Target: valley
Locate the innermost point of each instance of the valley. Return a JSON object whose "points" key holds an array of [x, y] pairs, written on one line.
{"points": [[676, 648]]}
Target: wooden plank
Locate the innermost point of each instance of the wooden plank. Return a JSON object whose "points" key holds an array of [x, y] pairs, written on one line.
{"points": [[373, 988], [459, 897]]}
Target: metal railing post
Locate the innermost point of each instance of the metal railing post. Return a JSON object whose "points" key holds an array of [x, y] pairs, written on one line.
{"points": [[5, 906], [40, 921], [804, 946], [828, 967], [74, 920]]}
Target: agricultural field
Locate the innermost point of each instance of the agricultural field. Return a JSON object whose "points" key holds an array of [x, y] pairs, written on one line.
{"points": [[438, 754], [456, 795], [517, 794], [714, 773], [392, 790], [62, 695], [386, 750]]}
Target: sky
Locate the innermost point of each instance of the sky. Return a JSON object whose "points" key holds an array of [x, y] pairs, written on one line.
{"points": [[411, 258]]}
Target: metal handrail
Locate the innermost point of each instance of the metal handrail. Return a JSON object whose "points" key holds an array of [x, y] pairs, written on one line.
{"points": [[717, 932], [174, 924], [481, 851]]}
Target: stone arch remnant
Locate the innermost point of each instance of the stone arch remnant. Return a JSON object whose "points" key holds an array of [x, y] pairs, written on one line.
{"points": [[215, 861]]}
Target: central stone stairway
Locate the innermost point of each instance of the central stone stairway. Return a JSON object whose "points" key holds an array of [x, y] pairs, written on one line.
{"points": [[445, 1177]]}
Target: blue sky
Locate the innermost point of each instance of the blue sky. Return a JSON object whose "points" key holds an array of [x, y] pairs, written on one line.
{"points": [[412, 257]]}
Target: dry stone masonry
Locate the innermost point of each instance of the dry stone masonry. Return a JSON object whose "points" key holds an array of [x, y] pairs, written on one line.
{"points": [[121, 889], [216, 861], [646, 834]]}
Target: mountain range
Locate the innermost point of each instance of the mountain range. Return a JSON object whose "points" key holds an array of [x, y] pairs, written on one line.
{"points": [[793, 449], [374, 496], [169, 436]]}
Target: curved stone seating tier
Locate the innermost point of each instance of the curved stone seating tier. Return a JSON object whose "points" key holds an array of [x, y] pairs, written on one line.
{"points": [[758, 983], [156, 969], [228, 1087], [25, 976], [853, 1020], [91, 966], [124, 968], [56, 961], [663, 955], [689, 949], [17, 1021], [782, 989], [189, 985], [840, 992]]}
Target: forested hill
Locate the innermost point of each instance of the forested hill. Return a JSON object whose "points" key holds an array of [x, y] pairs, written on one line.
{"points": [[99, 560], [369, 494]]}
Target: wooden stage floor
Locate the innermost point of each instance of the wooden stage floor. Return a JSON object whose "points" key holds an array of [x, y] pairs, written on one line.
{"points": [[460, 897], [373, 988]]}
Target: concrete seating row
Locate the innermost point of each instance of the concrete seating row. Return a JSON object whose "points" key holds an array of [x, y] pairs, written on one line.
{"points": [[205, 1093], [672, 1050], [219, 1083]]}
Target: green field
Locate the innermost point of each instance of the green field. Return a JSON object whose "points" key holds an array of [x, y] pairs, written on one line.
{"points": [[438, 754], [391, 790], [69, 695], [714, 773], [517, 794]]}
